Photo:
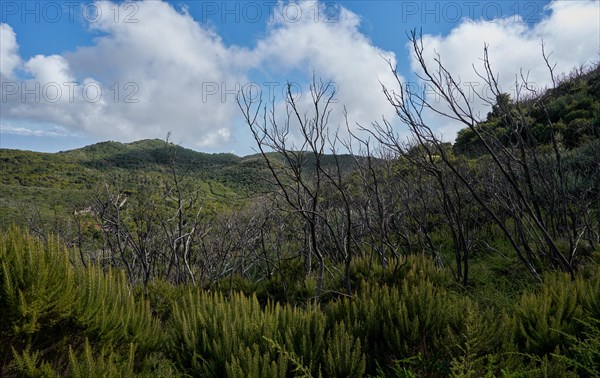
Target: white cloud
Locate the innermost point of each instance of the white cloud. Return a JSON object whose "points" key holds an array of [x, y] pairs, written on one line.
{"points": [[130, 85], [186, 84], [335, 51], [49, 69], [55, 131], [9, 51], [570, 32], [167, 72]]}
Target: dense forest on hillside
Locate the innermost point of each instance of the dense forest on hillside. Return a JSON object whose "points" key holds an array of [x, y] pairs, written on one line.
{"points": [[404, 258]]}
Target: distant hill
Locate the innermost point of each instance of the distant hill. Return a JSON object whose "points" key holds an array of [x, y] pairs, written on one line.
{"points": [[144, 154], [58, 183], [82, 168]]}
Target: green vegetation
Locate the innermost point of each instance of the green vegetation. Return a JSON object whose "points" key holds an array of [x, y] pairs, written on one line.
{"points": [[50, 187], [55, 185], [60, 318], [572, 110], [479, 259]]}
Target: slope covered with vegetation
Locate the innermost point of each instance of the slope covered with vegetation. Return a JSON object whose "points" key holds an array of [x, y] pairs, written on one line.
{"points": [[56, 185], [415, 258], [61, 318], [572, 109]]}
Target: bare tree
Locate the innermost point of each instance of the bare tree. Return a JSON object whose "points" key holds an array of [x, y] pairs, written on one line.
{"points": [[515, 183], [183, 227], [298, 170], [152, 231]]}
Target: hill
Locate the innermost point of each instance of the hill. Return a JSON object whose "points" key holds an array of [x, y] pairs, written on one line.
{"points": [[53, 184], [59, 183], [571, 110]]}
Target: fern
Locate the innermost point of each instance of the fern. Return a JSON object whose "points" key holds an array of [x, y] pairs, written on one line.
{"points": [[473, 359], [106, 364], [541, 318], [30, 364], [300, 370], [585, 350], [51, 305], [344, 357]]}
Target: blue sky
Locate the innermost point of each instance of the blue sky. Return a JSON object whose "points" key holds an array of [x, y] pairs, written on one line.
{"points": [[133, 70]]}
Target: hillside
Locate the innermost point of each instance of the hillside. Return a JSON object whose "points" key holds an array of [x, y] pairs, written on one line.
{"points": [[571, 110], [59, 183], [170, 262], [62, 182]]}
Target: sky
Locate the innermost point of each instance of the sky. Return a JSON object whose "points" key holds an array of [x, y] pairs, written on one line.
{"points": [[73, 73]]}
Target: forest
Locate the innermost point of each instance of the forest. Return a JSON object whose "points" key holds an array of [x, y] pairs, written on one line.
{"points": [[332, 252]]}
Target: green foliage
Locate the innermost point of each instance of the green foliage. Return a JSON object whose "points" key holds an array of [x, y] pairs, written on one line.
{"points": [[585, 352], [572, 113], [479, 343], [38, 284], [52, 306], [300, 370], [588, 292], [29, 364], [252, 364], [401, 322], [109, 312], [208, 329], [61, 182], [344, 357], [250, 312], [60, 318], [412, 269], [103, 365], [86, 363], [542, 317]]}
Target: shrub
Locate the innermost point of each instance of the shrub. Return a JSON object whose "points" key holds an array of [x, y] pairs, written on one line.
{"points": [[543, 317], [53, 307], [400, 322]]}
